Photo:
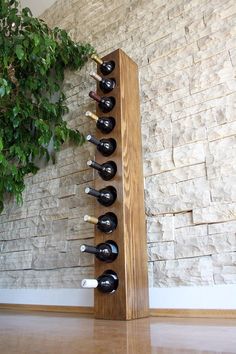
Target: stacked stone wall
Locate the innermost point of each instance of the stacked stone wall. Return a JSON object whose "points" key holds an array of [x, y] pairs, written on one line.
{"points": [[186, 52]]}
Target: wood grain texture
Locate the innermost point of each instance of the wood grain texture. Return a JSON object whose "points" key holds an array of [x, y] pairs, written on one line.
{"points": [[130, 301], [193, 313], [86, 310], [51, 333]]}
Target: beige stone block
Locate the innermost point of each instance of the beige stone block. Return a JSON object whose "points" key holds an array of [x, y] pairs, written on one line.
{"points": [[186, 232], [232, 53], [223, 189], [49, 202], [67, 191], [192, 246], [210, 72], [183, 219], [220, 228], [44, 228], [24, 244], [15, 260], [150, 274], [160, 228], [220, 156], [180, 174], [189, 130], [221, 243], [222, 131], [79, 225], [165, 45], [189, 154], [158, 162], [80, 234], [60, 226], [151, 112], [178, 60], [53, 259], [163, 85], [183, 272], [176, 11], [32, 197], [211, 44], [75, 166], [166, 98], [216, 212], [212, 112], [77, 178], [224, 268], [230, 102], [195, 246], [45, 174], [208, 94], [44, 279], [161, 251], [157, 135], [194, 192], [185, 197], [54, 214]]}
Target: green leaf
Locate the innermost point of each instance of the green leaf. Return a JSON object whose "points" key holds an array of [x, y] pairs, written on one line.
{"points": [[1, 143], [32, 102], [2, 91], [36, 39], [20, 52]]}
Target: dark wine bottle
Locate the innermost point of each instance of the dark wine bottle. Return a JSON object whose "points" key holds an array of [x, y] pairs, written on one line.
{"points": [[106, 67], [106, 104], [106, 85], [105, 196], [104, 124], [106, 283], [105, 252], [106, 223], [105, 146], [106, 171]]}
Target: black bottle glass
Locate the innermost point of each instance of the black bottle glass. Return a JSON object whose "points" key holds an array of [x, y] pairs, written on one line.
{"points": [[106, 67], [106, 85], [106, 171], [106, 223], [105, 196], [105, 146], [106, 103], [105, 252], [104, 124], [106, 283]]}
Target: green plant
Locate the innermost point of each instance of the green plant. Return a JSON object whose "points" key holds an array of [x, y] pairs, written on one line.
{"points": [[32, 64]]}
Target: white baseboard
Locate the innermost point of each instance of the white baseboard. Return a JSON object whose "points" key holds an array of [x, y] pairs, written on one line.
{"points": [[56, 297], [202, 297], [197, 297]]}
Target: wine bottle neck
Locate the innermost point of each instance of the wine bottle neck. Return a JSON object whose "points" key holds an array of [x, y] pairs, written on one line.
{"points": [[93, 140], [95, 76], [92, 192], [95, 165], [89, 249], [91, 219], [91, 115], [94, 96], [89, 283], [96, 59]]}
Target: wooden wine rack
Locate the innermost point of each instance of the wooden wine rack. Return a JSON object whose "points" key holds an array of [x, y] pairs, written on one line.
{"points": [[130, 300]]}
